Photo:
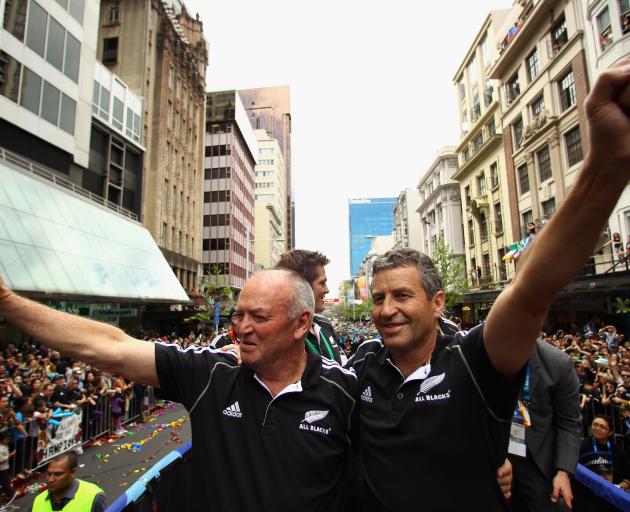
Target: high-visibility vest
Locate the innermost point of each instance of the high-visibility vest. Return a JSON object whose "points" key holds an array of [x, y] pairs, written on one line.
{"points": [[82, 501]]}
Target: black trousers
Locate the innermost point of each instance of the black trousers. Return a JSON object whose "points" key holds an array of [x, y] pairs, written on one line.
{"points": [[531, 489]]}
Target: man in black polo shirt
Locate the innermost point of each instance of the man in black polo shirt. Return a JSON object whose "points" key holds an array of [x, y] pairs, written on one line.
{"points": [[310, 265], [321, 336], [435, 411], [272, 434]]}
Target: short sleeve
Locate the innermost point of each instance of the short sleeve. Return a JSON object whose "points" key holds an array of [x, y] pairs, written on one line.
{"points": [[500, 393], [184, 373]]}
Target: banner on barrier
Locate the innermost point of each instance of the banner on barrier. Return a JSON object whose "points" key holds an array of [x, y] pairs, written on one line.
{"points": [[60, 435]]}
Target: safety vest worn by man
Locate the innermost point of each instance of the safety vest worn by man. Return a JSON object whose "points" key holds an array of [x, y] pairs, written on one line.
{"points": [[82, 501]]}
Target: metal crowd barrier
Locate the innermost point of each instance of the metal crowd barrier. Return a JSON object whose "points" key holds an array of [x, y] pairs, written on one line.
{"points": [[96, 421]]}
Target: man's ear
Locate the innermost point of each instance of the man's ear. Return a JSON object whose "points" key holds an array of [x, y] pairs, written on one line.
{"points": [[303, 324], [439, 303]]}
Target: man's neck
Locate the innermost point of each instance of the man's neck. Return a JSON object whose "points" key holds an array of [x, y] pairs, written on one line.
{"points": [[409, 361], [283, 372]]}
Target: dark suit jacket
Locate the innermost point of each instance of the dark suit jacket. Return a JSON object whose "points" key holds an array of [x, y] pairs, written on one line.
{"points": [[553, 440]]}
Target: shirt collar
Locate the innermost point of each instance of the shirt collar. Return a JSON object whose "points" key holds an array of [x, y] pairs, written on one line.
{"points": [[70, 493], [441, 343]]}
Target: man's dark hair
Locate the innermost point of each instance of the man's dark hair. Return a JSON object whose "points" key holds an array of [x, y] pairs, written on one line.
{"points": [[429, 275], [303, 262], [71, 457]]}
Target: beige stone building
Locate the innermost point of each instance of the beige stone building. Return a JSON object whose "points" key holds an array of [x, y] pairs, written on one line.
{"points": [[271, 201], [542, 71], [159, 50], [482, 172]]}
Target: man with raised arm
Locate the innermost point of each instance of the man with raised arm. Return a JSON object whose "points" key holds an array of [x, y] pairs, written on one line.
{"points": [[271, 434], [435, 411]]}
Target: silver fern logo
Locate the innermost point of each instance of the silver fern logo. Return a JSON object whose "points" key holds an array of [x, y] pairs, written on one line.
{"points": [[311, 417], [427, 385]]}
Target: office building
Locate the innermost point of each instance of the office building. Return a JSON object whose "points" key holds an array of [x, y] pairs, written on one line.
{"points": [[158, 49], [228, 193], [368, 218], [406, 220], [271, 200], [269, 109]]}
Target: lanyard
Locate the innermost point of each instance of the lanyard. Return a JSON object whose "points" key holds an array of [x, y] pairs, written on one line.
{"points": [[526, 396], [596, 448], [320, 336]]}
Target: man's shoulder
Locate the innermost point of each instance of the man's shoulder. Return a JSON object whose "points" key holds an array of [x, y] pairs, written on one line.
{"points": [[368, 348], [323, 322], [547, 352], [195, 351]]}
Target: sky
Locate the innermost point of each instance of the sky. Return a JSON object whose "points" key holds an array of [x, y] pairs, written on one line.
{"points": [[372, 94]]}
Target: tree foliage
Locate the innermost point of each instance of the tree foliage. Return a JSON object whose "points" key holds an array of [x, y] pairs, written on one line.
{"points": [[214, 292], [452, 271]]}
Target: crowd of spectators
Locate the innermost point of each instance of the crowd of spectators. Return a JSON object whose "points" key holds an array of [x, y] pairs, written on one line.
{"points": [[38, 387]]}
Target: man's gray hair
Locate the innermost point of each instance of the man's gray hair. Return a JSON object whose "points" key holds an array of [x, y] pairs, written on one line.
{"points": [[398, 258], [302, 298]]}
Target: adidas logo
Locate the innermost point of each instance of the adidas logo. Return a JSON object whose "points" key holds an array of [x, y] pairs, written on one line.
{"points": [[366, 396], [233, 410]]}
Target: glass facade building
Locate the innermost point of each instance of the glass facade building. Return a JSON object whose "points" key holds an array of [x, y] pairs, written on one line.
{"points": [[368, 218]]}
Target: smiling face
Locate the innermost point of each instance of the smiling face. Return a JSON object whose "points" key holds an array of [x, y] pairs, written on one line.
{"points": [[320, 288], [600, 429], [404, 315], [267, 333]]}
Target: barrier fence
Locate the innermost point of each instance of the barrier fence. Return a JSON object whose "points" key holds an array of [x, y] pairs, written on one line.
{"points": [[166, 486], [70, 429]]}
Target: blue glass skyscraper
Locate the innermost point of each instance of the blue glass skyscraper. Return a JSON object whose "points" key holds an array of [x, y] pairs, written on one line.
{"points": [[368, 218]]}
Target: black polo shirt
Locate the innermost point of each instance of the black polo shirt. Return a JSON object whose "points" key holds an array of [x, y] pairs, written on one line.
{"points": [[429, 442], [252, 452], [324, 340]]}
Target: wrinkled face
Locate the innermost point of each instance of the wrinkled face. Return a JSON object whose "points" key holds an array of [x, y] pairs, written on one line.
{"points": [[262, 323], [59, 476], [320, 288], [403, 314]]}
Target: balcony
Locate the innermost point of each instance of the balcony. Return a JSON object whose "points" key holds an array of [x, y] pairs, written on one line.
{"points": [[606, 39]]}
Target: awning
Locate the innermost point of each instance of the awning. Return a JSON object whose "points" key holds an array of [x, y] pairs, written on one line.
{"points": [[54, 241]]}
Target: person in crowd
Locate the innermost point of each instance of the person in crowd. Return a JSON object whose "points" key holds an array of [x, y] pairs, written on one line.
{"points": [[279, 424], [311, 265], [65, 491], [600, 455], [618, 246], [5, 455], [546, 429], [61, 397], [417, 386]]}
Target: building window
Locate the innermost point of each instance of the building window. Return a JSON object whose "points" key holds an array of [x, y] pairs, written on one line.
{"points": [[478, 142], [467, 195], [544, 164], [512, 89], [483, 227], [36, 30], [461, 90], [527, 218], [559, 35], [113, 14], [567, 91], [471, 232], [548, 207], [494, 175], [484, 50], [10, 70], [573, 141], [487, 95], [15, 18], [110, 50], [498, 218], [481, 184], [492, 128], [523, 179], [502, 265], [624, 10], [476, 109], [487, 269], [472, 72], [605, 29], [538, 105], [532, 65], [517, 131]]}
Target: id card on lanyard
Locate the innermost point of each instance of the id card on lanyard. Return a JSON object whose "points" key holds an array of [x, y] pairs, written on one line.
{"points": [[520, 422]]}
